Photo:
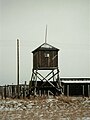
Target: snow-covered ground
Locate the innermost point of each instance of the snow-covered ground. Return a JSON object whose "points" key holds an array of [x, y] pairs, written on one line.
{"points": [[43, 108]]}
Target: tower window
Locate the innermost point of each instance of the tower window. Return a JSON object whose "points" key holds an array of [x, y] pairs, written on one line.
{"points": [[46, 55]]}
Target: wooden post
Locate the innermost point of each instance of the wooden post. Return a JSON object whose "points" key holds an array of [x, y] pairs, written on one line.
{"points": [[12, 90], [15, 90], [58, 78], [30, 82], [35, 92], [2, 92], [88, 90], [25, 88], [40, 93], [53, 75], [67, 90], [63, 89], [48, 93], [44, 92], [17, 68], [5, 92], [83, 90]]}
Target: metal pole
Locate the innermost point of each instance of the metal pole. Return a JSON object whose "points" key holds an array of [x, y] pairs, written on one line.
{"points": [[46, 35], [18, 68]]}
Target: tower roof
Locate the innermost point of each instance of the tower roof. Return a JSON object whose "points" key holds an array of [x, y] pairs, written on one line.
{"points": [[45, 46]]}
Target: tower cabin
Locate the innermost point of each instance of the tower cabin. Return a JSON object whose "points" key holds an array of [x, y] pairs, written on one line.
{"points": [[45, 57]]}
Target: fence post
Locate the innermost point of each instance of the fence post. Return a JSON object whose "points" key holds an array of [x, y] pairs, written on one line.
{"points": [[67, 90], [83, 90], [2, 92], [25, 88], [5, 91], [88, 90], [23, 92], [12, 90]]}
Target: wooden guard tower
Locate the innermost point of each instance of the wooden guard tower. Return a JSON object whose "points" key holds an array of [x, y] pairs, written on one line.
{"points": [[45, 58]]}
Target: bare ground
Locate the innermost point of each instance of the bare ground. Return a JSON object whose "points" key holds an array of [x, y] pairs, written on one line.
{"points": [[43, 108]]}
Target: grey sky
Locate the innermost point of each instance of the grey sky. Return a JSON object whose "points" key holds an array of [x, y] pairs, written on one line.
{"points": [[68, 29]]}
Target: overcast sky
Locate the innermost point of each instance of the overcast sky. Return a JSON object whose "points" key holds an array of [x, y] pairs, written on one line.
{"points": [[68, 29]]}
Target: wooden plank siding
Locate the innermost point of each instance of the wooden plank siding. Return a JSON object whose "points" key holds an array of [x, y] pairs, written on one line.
{"points": [[35, 60], [41, 61]]}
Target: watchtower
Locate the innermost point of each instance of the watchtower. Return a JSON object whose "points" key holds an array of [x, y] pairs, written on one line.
{"points": [[45, 58]]}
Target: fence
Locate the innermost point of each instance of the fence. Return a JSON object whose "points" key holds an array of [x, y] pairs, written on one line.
{"points": [[10, 91]]}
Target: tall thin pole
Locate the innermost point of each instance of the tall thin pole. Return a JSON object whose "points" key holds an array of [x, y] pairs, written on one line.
{"points": [[18, 68], [46, 35]]}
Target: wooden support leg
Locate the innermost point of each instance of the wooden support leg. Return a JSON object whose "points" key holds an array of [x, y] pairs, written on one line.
{"points": [[35, 91], [53, 75], [39, 92], [63, 89], [58, 80], [23, 92]]}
